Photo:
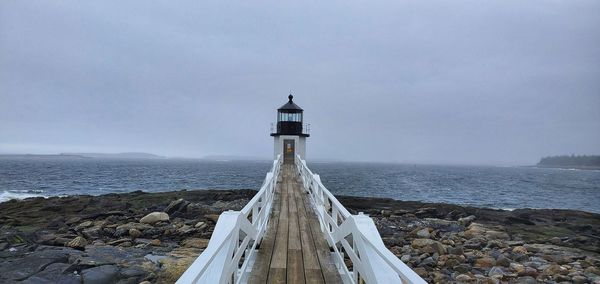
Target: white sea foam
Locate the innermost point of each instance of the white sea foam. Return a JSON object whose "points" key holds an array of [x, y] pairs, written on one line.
{"points": [[9, 195]]}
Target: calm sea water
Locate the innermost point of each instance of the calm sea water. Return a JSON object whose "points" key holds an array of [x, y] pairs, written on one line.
{"points": [[496, 187]]}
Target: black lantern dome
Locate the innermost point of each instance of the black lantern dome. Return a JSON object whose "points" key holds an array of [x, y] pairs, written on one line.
{"points": [[289, 120]]}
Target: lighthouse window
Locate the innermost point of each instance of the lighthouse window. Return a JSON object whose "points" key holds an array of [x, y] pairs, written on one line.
{"points": [[294, 117]]}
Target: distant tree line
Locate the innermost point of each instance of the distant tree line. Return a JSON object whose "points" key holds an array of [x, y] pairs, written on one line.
{"points": [[572, 160]]}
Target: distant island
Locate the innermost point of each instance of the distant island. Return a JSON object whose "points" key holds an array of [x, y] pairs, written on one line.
{"points": [[127, 155], [571, 162]]}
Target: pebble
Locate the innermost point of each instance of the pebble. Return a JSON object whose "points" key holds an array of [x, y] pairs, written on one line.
{"points": [[134, 233], [463, 278], [78, 242], [496, 271], [520, 249]]}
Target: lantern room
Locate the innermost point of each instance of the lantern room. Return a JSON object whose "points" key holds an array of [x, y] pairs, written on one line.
{"points": [[289, 119]]}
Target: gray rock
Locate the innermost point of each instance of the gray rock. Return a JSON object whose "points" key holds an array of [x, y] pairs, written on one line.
{"points": [[133, 272], [496, 271], [528, 271], [496, 244], [555, 240], [200, 225], [54, 273], [123, 230], [526, 280], [154, 217], [463, 278], [134, 233], [34, 262], [457, 250], [466, 220], [423, 233], [427, 262], [92, 233], [462, 268], [428, 245], [104, 274], [84, 225], [578, 279], [178, 205], [474, 243], [503, 261]]}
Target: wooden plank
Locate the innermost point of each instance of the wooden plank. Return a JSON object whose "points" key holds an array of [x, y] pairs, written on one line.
{"points": [[278, 268], [295, 268], [308, 247], [260, 269], [294, 232], [312, 268], [277, 276], [279, 259], [330, 273], [314, 276]]}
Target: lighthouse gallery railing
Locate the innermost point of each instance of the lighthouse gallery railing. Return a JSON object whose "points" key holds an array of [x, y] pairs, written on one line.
{"points": [[355, 236], [236, 235]]}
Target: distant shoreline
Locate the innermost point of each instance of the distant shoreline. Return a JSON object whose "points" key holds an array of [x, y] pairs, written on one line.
{"points": [[590, 168]]}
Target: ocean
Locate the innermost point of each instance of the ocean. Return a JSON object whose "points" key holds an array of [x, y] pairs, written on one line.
{"points": [[480, 186]]}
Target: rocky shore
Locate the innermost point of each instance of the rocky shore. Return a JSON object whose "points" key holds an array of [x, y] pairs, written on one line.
{"points": [[153, 237]]}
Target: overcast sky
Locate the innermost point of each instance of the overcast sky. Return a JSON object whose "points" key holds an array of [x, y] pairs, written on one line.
{"points": [[478, 82]]}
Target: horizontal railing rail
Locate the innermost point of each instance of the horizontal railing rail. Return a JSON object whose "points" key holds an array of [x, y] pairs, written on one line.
{"points": [[353, 238], [231, 250], [305, 128]]}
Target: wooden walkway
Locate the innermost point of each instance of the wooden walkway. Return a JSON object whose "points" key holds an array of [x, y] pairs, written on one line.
{"points": [[294, 249]]}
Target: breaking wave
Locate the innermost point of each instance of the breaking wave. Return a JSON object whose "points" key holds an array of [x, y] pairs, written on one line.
{"points": [[10, 195]]}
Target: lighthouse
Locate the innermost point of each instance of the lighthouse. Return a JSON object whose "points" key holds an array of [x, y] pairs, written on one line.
{"points": [[290, 133]]}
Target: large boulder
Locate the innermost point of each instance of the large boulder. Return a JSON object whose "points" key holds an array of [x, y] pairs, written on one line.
{"points": [[33, 262], [476, 230], [178, 205], [154, 217]]}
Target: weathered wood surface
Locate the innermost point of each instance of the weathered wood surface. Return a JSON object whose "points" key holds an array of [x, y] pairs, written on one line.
{"points": [[293, 250]]}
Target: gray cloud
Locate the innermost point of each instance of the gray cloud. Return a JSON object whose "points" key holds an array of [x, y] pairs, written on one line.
{"points": [[452, 82]]}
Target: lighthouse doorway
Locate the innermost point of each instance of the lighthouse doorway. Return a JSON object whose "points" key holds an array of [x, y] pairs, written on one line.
{"points": [[289, 151]]}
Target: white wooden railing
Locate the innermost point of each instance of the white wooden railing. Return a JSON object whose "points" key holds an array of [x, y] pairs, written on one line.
{"points": [[230, 253], [353, 236]]}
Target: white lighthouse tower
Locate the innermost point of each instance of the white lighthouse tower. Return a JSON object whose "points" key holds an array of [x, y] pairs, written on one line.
{"points": [[290, 133]]}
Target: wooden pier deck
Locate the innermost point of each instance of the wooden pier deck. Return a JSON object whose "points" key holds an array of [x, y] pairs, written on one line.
{"points": [[294, 249]]}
